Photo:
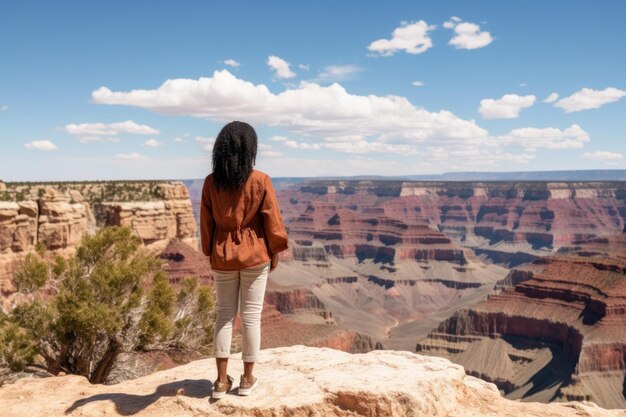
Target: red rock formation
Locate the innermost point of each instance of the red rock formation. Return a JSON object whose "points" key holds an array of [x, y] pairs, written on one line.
{"points": [[289, 317], [529, 217], [572, 309]]}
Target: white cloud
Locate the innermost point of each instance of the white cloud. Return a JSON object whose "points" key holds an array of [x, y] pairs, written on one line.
{"points": [[411, 37], [602, 155], [96, 132], [129, 156], [417, 83], [41, 145], [231, 63], [588, 98], [271, 154], [338, 73], [363, 146], [507, 107], [551, 98], [280, 66], [329, 118], [304, 67], [453, 21], [310, 109], [353, 145], [153, 143], [279, 138], [206, 143], [467, 35], [549, 138], [292, 144], [179, 139], [5, 107]]}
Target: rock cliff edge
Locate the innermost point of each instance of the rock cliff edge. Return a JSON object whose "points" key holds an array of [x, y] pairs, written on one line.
{"points": [[294, 381]]}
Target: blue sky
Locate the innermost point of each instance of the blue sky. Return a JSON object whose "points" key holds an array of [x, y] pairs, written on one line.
{"points": [[112, 90]]}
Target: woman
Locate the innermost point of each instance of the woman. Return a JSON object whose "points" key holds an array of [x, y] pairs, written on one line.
{"points": [[242, 232]]}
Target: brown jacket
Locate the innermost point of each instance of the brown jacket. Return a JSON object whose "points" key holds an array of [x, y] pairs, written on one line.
{"points": [[241, 229]]}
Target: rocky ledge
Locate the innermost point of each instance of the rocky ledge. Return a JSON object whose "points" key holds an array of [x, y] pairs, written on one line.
{"points": [[294, 381]]}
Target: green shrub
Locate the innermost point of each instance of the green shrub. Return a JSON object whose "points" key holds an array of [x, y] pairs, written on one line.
{"points": [[100, 308]]}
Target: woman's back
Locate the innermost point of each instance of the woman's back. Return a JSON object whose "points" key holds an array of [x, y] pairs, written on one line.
{"points": [[241, 228]]}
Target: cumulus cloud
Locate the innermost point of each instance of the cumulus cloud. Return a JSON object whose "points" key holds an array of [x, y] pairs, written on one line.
{"points": [[130, 156], [98, 132], [309, 109], [179, 139], [353, 144], [280, 66], [467, 35], [411, 37], [588, 98], [548, 138], [206, 143], [41, 145], [271, 154], [452, 22], [602, 156], [338, 73], [551, 98], [329, 118], [305, 67], [417, 83], [153, 143], [277, 138], [231, 63], [507, 107]]}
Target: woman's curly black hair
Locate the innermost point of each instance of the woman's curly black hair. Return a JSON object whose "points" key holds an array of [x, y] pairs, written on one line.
{"points": [[234, 155]]}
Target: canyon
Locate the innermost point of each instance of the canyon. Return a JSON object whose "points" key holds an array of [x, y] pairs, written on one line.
{"points": [[394, 258], [556, 332], [454, 269], [520, 282]]}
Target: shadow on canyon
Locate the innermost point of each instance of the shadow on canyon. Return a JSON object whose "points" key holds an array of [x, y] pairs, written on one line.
{"points": [[554, 374]]}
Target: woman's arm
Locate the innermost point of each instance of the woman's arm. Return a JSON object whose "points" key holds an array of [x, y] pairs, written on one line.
{"points": [[273, 226], [207, 222], [274, 262]]}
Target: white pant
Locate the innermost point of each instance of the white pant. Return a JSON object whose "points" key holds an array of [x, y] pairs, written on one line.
{"points": [[244, 288]]}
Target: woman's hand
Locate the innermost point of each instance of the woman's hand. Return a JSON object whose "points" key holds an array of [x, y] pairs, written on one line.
{"points": [[274, 262]]}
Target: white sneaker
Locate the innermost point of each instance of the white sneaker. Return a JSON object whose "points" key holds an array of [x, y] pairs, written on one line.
{"points": [[220, 389], [245, 388]]}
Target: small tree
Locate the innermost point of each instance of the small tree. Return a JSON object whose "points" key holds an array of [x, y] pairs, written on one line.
{"points": [[102, 309]]}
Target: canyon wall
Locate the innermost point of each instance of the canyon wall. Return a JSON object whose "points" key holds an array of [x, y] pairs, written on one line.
{"points": [[394, 258], [289, 317], [55, 217], [558, 333], [501, 218]]}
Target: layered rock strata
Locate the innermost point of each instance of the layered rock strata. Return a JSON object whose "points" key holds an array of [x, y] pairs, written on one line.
{"points": [[57, 216], [414, 280], [505, 219], [288, 317], [559, 334]]}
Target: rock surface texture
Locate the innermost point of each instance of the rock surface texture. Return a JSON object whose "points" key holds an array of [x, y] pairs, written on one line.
{"points": [[294, 381], [57, 216]]}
